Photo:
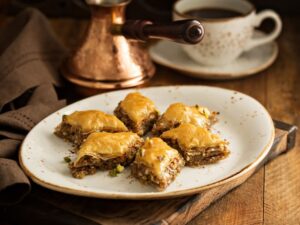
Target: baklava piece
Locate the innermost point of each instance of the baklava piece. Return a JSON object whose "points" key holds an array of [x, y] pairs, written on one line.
{"points": [[179, 113], [78, 125], [197, 145], [137, 112], [105, 151], [157, 164]]}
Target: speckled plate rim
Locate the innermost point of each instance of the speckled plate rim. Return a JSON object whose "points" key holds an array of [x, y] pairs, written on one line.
{"points": [[209, 75], [155, 195]]}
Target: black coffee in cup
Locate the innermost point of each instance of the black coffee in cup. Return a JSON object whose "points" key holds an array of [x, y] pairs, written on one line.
{"points": [[213, 13]]}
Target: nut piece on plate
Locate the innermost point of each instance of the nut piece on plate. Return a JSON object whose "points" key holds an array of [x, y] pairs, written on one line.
{"points": [[197, 145], [78, 125], [105, 151], [179, 113], [137, 112], [157, 164]]}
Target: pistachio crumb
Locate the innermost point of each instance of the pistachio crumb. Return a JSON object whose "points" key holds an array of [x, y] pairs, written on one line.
{"points": [[114, 172], [67, 159], [120, 168]]}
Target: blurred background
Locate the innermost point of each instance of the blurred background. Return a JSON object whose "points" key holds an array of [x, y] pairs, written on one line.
{"points": [[138, 9]]}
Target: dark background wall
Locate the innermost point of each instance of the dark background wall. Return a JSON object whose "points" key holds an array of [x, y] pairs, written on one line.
{"points": [[150, 9]]}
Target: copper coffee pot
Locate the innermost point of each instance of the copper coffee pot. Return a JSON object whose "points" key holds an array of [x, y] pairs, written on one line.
{"points": [[110, 55]]}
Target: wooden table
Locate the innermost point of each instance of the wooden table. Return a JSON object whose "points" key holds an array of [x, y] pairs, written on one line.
{"points": [[272, 195]]}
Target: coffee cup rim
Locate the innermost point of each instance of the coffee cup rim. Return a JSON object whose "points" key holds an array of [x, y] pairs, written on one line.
{"points": [[252, 9]]}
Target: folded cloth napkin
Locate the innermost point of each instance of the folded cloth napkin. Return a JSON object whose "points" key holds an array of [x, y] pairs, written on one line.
{"points": [[29, 58]]}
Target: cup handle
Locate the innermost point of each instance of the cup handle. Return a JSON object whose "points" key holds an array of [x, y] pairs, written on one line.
{"points": [[254, 42]]}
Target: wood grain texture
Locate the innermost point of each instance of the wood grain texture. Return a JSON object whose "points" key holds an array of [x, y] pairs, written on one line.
{"points": [[282, 180], [272, 195]]}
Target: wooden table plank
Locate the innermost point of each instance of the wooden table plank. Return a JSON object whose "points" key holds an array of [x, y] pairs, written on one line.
{"points": [[282, 180]]}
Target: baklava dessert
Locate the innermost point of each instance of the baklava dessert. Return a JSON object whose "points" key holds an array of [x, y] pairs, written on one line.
{"points": [[105, 151], [113, 142], [197, 145], [179, 113], [156, 163], [137, 112], [78, 125]]}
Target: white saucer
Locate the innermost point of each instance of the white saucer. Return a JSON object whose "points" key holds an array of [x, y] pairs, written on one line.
{"points": [[171, 55]]}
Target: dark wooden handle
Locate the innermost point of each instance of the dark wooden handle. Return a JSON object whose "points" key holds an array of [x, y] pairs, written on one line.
{"points": [[182, 31]]}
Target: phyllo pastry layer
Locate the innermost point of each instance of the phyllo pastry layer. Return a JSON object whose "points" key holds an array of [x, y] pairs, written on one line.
{"points": [[78, 125], [105, 151], [197, 145], [179, 113], [156, 163], [137, 112]]}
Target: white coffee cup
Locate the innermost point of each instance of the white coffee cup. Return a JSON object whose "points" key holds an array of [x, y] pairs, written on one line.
{"points": [[225, 39]]}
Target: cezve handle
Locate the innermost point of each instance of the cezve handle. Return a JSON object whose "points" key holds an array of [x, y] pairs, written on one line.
{"points": [[182, 31]]}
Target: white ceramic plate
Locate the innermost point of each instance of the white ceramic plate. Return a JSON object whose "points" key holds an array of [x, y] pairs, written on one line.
{"points": [[170, 54], [242, 120]]}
